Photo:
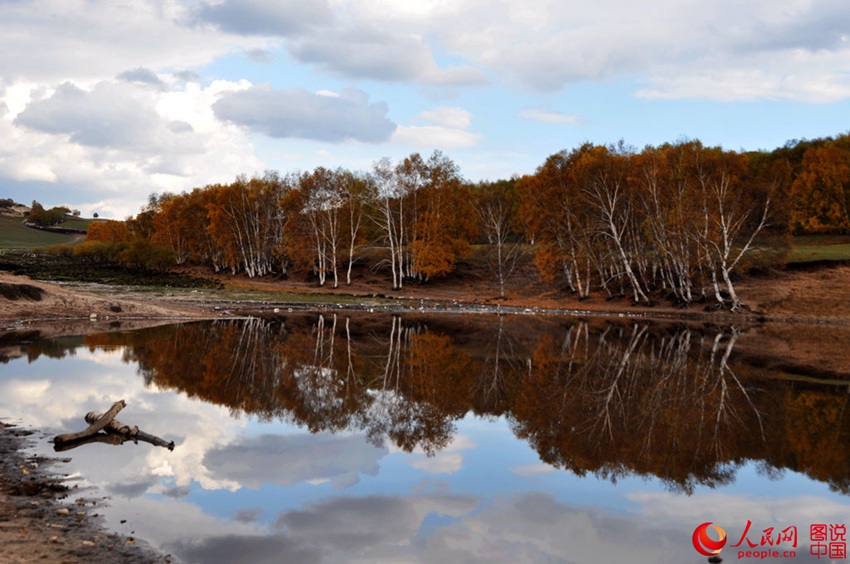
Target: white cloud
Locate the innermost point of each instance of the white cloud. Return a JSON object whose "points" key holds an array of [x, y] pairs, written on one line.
{"points": [[795, 50], [448, 117], [368, 51], [58, 40], [257, 17], [547, 116], [114, 142], [294, 112], [449, 130]]}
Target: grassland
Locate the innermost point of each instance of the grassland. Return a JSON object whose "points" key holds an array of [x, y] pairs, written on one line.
{"points": [[15, 235], [819, 248]]}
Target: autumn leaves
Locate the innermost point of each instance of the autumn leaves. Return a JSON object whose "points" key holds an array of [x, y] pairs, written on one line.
{"points": [[678, 221]]}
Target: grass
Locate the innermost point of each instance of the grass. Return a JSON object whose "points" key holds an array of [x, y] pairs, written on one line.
{"points": [[15, 235], [76, 223], [814, 248]]}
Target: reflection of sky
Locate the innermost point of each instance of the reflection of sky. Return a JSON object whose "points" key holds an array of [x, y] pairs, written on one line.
{"points": [[243, 490]]}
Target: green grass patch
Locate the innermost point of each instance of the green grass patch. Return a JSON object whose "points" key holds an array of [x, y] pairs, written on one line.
{"points": [[15, 235], [815, 248], [76, 223]]}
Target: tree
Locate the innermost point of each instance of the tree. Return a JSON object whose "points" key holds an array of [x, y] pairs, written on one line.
{"points": [[315, 237], [732, 217], [246, 222], [445, 220], [819, 192], [496, 206]]}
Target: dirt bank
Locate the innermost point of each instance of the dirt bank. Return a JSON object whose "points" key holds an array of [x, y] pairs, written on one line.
{"points": [[818, 294]]}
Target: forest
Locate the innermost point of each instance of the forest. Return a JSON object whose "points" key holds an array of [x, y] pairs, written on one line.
{"points": [[680, 221]]}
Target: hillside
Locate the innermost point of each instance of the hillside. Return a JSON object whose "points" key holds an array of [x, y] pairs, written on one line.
{"points": [[14, 234]]}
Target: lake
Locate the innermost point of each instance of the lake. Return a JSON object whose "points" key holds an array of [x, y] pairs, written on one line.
{"points": [[322, 437]]}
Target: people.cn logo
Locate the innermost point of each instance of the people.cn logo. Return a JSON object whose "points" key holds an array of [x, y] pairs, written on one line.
{"points": [[704, 544]]}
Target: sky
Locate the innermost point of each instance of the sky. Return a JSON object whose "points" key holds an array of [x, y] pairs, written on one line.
{"points": [[103, 102]]}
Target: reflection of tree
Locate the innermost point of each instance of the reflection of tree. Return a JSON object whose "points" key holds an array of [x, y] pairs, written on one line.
{"points": [[611, 399], [501, 366], [422, 389], [320, 386], [627, 400]]}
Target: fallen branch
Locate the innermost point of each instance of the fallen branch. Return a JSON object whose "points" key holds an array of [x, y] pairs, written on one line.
{"points": [[116, 433], [94, 427], [130, 433], [98, 438]]}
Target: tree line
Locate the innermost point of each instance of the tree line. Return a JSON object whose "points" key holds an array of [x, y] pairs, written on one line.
{"points": [[680, 220]]}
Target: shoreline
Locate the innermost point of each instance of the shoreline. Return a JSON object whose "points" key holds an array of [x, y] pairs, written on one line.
{"points": [[37, 525]]}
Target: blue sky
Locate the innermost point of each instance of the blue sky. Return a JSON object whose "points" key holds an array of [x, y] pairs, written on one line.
{"points": [[104, 102]]}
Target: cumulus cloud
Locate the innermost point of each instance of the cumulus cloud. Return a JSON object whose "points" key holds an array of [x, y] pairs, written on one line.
{"points": [[143, 76], [111, 143], [372, 53], [113, 115], [59, 40], [443, 128], [545, 46], [548, 116], [258, 17], [295, 112]]}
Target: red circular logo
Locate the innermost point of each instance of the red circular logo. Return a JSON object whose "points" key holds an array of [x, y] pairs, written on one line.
{"points": [[704, 544]]}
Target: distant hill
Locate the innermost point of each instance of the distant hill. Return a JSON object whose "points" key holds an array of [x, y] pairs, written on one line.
{"points": [[14, 234]]}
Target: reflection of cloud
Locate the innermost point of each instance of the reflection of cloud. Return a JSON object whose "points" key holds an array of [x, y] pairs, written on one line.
{"points": [[178, 492], [164, 521], [441, 463], [290, 459], [132, 489], [732, 511], [528, 527], [533, 469], [25, 391], [342, 529], [446, 461], [92, 381], [246, 548], [247, 515]]}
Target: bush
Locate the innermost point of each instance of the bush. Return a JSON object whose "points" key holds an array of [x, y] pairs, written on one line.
{"points": [[60, 250]]}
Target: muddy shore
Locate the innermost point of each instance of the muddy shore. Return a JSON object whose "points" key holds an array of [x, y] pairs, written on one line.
{"points": [[37, 524]]}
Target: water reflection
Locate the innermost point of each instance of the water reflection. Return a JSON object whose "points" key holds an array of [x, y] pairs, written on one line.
{"points": [[604, 398]]}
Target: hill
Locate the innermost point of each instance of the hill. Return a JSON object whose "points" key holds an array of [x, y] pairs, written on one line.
{"points": [[14, 233]]}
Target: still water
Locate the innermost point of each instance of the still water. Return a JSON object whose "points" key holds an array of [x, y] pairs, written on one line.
{"points": [[344, 438]]}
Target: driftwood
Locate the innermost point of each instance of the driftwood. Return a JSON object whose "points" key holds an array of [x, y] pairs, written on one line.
{"points": [[129, 433], [116, 433], [96, 438], [95, 427]]}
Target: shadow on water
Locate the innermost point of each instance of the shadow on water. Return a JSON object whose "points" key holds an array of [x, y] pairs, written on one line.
{"points": [[609, 398]]}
